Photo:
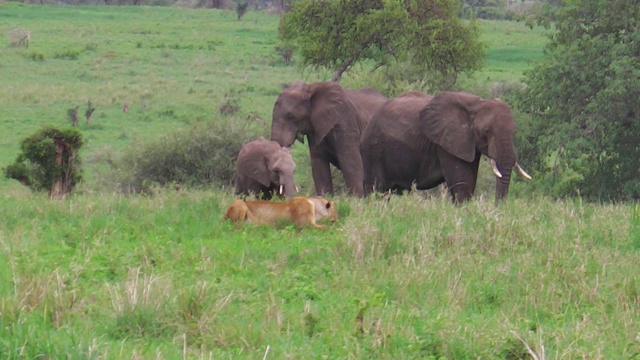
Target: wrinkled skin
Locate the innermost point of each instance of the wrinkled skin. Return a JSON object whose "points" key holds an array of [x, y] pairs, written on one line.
{"points": [[264, 166], [332, 118], [423, 140]]}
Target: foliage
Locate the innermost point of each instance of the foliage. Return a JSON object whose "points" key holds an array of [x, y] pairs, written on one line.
{"points": [[241, 8], [338, 34], [202, 155], [583, 99], [36, 166], [89, 112], [72, 116], [486, 9]]}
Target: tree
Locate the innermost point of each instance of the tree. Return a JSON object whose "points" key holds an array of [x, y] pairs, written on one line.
{"points": [[89, 112], [241, 8], [336, 34], [48, 161], [583, 99], [72, 116]]}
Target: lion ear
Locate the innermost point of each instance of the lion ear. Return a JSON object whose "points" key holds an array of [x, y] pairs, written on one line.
{"points": [[328, 205]]}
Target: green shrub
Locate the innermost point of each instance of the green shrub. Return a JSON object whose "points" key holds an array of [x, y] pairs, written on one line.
{"points": [[230, 103], [202, 155], [48, 161], [67, 54], [34, 56]]}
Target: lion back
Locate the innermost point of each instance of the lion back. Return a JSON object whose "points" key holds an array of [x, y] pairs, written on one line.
{"points": [[301, 210]]}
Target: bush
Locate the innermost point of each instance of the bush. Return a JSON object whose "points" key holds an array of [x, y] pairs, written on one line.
{"points": [[230, 103], [582, 98], [67, 54], [48, 161], [202, 155]]}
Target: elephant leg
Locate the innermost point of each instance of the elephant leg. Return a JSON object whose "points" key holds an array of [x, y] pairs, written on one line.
{"points": [[241, 185], [460, 175], [321, 174], [348, 159], [367, 181], [353, 175]]}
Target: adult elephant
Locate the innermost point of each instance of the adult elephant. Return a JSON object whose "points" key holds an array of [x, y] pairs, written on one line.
{"points": [[423, 140], [263, 167], [333, 119]]}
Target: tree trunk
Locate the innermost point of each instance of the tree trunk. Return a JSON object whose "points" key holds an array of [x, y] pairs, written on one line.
{"points": [[337, 75], [61, 184]]}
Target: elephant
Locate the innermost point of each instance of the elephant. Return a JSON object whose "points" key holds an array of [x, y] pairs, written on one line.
{"points": [[264, 166], [427, 140], [332, 118]]}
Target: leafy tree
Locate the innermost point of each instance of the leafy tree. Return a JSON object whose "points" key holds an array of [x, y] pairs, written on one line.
{"points": [[336, 34], [583, 99], [241, 8], [48, 161]]}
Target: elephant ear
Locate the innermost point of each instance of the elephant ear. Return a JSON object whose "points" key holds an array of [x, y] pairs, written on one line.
{"points": [[329, 107], [447, 121], [255, 165]]}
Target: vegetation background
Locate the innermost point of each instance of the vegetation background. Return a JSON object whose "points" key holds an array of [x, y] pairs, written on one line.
{"points": [[104, 275]]}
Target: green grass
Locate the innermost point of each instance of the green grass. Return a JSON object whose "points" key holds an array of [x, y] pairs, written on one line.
{"points": [[512, 48], [412, 277], [103, 276], [173, 66]]}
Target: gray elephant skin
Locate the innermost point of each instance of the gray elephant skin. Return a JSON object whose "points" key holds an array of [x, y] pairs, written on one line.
{"points": [[264, 167], [332, 118], [424, 140]]}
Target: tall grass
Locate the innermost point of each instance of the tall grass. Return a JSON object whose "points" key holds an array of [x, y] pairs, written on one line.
{"points": [[405, 277]]}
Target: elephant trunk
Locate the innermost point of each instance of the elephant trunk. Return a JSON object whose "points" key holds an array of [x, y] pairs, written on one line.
{"points": [[287, 186], [503, 162], [282, 133], [502, 183]]}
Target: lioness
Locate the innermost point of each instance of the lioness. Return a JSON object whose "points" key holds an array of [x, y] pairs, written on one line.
{"points": [[302, 211]]}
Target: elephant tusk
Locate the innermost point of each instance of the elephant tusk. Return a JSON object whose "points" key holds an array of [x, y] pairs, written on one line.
{"points": [[296, 187], [494, 167], [280, 191], [522, 172]]}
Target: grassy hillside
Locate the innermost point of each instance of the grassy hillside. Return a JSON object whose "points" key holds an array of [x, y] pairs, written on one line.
{"points": [[174, 67], [101, 276]]}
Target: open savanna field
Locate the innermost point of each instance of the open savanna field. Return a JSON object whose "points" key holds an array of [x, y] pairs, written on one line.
{"points": [[106, 276]]}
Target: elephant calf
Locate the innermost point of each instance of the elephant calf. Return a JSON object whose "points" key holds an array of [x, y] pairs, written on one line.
{"points": [[263, 167]]}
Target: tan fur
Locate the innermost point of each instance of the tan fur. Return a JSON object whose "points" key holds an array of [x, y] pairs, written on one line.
{"points": [[302, 211]]}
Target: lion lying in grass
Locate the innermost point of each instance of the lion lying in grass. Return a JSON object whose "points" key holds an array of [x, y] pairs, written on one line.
{"points": [[302, 211]]}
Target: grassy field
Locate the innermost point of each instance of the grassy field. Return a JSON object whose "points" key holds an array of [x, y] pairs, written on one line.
{"points": [[103, 276], [174, 67], [162, 277]]}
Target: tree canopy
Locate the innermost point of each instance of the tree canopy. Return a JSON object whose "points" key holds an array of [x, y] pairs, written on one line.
{"points": [[583, 97], [336, 34], [48, 161]]}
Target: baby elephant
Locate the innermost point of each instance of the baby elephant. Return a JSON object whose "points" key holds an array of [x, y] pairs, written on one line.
{"points": [[263, 167]]}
